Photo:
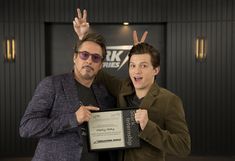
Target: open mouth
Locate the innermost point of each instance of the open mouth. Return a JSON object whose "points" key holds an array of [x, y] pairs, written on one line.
{"points": [[138, 78]]}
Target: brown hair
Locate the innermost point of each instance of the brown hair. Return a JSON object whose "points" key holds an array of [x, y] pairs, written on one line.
{"points": [[145, 48], [93, 37]]}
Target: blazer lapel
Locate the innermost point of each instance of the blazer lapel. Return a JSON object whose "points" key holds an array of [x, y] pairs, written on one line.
{"points": [[70, 90], [150, 97]]}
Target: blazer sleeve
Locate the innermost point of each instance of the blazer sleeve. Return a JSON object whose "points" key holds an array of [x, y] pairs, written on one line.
{"points": [[112, 83], [174, 138], [37, 122]]}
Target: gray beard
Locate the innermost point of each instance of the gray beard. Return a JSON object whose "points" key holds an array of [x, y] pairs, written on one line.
{"points": [[88, 77]]}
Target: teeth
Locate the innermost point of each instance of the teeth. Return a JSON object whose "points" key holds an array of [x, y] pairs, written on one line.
{"points": [[137, 78]]}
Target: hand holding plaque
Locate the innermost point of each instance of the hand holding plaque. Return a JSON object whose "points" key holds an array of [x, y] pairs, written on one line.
{"points": [[113, 129]]}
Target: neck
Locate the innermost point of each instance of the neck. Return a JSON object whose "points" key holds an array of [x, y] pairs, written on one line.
{"points": [[140, 93], [84, 82]]}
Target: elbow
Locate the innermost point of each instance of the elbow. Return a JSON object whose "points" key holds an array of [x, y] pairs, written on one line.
{"points": [[24, 132], [186, 149]]}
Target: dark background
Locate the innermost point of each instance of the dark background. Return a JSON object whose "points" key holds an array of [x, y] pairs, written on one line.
{"points": [[206, 87], [61, 39]]}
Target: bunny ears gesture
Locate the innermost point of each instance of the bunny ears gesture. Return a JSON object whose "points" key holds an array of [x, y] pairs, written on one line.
{"points": [[135, 37], [81, 27]]}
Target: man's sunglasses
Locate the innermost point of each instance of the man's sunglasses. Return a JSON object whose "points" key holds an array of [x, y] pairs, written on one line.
{"points": [[84, 55]]}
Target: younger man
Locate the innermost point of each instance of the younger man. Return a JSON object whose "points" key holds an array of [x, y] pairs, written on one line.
{"points": [[160, 115]]}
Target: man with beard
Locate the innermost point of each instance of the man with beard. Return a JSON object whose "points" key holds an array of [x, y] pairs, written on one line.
{"points": [[61, 106]]}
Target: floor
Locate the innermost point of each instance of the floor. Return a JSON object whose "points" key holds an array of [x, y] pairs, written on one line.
{"points": [[199, 158], [191, 158]]}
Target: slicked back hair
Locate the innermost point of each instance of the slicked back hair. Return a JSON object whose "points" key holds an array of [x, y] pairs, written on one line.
{"points": [[93, 37]]}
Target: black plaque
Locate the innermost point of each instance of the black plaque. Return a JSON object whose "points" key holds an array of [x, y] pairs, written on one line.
{"points": [[113, 129]]}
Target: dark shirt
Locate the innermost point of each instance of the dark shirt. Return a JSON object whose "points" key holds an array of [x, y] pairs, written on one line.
{"points": [[133, 101], [87, 98]]}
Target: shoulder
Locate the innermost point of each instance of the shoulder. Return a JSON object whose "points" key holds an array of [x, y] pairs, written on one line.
{"points": [[53, 79], [162, 92], [167, 93], [173, 102], [165, 96]]}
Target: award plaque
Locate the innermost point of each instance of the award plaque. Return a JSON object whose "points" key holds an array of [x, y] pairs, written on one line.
{"points": [[113, 129]]}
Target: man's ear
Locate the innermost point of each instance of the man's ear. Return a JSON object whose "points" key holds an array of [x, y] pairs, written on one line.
{"points": [[74, 57], [157, 70]]}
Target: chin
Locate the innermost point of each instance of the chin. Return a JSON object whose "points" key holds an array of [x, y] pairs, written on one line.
{"points": [[137, 86], [88, 77]]}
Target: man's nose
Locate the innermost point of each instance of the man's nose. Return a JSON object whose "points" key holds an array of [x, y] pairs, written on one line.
{"points": [[137, 69], [89, 60]]}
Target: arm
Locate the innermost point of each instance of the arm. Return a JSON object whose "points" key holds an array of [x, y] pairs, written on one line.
{"points": [[174, 138], [112, 83], [38, 120]]}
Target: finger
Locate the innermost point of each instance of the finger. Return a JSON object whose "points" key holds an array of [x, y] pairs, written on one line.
{"points": [[137, 115], [88, 116], [137, 120], [144, 36], [79, 13], [84, 15], [135, 37], [77, 21], [137, 112], [92, 108], [74, 24]]}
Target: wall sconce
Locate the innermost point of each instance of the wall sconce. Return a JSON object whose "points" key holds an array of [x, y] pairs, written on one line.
{"points": [[200, 48], [125, 23], [10, 50]]}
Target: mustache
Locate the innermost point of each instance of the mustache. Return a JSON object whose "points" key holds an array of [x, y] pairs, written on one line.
{"points": [[87, 66]]}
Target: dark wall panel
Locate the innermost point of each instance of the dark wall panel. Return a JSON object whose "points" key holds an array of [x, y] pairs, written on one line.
{"points": [[23, 10], [106, 11], [206, 88], [232, 83], [18, 81]]}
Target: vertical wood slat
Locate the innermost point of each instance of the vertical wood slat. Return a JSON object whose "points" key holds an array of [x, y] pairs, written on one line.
{"points": [[136, 11], [208, 107], [2, 87], [232, 101], [18, 81]]}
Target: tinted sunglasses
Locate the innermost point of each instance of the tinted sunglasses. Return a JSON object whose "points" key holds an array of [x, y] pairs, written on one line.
{"points": [[84, 55]]}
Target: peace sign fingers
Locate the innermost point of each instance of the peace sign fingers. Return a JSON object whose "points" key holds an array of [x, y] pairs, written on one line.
{"points": [[135, 37]]}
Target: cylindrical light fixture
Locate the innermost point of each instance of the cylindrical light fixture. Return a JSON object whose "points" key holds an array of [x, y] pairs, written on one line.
{"points": [[10, 50], [200, 48], [125, 23]]}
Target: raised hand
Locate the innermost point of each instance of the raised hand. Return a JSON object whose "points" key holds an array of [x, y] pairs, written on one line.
{"points": [[80, 24], [135, 37]]}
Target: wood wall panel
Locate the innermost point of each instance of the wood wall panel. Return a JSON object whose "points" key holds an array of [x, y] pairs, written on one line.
{"points": [[18, 81], [206, 87]]}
